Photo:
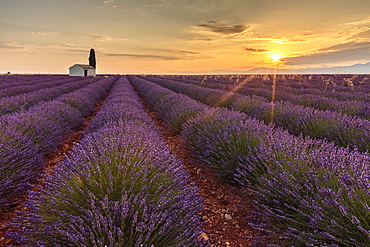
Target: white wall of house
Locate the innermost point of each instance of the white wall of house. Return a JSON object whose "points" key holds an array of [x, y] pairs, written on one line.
{"points": [[79, 70], [76, 70], [91, 72]]}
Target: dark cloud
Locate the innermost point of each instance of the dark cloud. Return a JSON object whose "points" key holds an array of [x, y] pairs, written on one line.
{"points": [[255, 50], [336, 53], [187, 52], [306, 34], [217, 27], [201, 39]]}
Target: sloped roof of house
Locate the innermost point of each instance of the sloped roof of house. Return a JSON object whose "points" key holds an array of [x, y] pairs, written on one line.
{"points": [[84, 66]]}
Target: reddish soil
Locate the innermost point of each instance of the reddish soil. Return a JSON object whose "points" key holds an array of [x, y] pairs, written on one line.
{"points": [[226, 209]]}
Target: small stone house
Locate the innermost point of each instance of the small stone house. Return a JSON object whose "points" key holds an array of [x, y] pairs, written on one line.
{"points": [[82, 70]]}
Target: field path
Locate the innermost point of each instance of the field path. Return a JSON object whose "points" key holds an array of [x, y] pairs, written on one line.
{"points": [[224, 217]]}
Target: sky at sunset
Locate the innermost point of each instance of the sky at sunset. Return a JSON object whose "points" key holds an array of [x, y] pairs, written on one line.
{"points": [[183, 36]]}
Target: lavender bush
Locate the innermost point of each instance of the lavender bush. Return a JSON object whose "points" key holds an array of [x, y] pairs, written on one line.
{"points": [[121, 104], [174, 109], [315, 194], [354, 104], [26, 100], [86, 98], [222, 139], [119, 187], [20, 163], [341, 87], [41, 131], [27, 136], [63, 115], [144, 88], [13, 85], [310, 192], [342, 129], [205, 95]]}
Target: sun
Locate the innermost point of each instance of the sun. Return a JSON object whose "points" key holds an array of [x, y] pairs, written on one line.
{"points": [[276, 57]]}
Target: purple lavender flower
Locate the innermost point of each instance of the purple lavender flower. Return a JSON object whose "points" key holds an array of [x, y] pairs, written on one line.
{"points": [[120, 186]]}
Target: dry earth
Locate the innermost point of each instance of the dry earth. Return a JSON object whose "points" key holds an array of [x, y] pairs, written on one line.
{"points": [[226, 209]]}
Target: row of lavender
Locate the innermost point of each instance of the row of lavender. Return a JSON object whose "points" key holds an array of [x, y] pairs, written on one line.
{"points": [[26, 136], [328, 84], [13, 85], [120, 186], [349, 107], [310, 192], [347, 102], [49, 91], [9, 81], [298, 120]]}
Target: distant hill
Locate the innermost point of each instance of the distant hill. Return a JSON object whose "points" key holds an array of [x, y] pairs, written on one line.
{"points": [[263, 70], [353, 69]]}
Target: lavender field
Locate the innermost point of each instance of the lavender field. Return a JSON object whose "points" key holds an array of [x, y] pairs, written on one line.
{"points": [[298, 143]]}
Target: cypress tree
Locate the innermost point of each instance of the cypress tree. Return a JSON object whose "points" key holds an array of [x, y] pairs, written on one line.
{"points": [[92, 60]]}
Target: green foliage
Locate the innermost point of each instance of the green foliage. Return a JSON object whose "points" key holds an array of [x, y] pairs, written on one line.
{"points": [[92, 59], [119, 187], [308, 206], [224, 140]]}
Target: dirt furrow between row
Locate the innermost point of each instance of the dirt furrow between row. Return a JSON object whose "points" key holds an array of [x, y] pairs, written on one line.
{"points": [[226, 210]]}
